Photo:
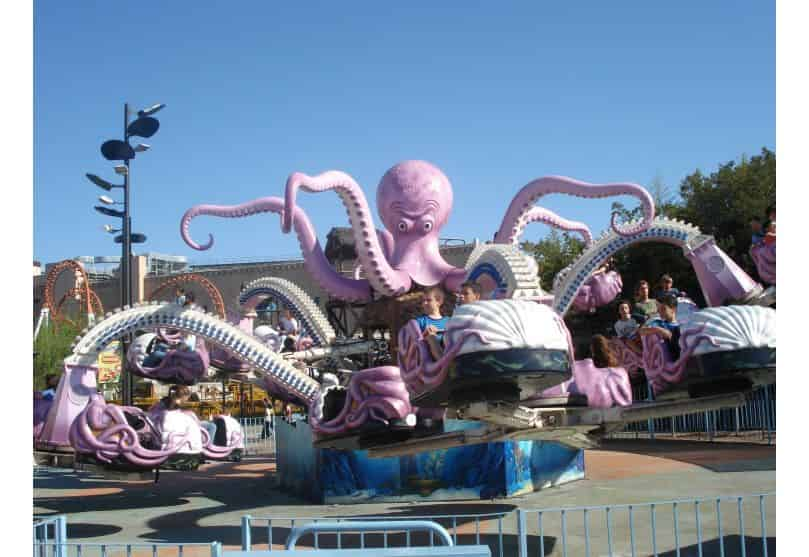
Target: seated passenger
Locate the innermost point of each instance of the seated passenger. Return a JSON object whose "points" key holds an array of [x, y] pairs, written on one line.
{"points": [[757, 234], [666, 287], [601, 354], [51, 383], [769, 236], [171, 420], [627, 328], [470, 292], [432, 324], [645, 307], [178, 395], [156, 351], [288, 324], [666, 325], [289, 345]]}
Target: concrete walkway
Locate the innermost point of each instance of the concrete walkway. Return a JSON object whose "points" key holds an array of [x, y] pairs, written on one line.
{"points": [[207, 505]]}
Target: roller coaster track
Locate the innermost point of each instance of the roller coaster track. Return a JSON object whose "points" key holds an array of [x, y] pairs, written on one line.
{"points": [[83, 288], [95, 301], [662, 229], [313, 321], [155, 315], [210, 289]]}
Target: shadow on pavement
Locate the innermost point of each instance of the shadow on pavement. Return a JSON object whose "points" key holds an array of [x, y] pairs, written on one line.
{"points": [[717, 457]]}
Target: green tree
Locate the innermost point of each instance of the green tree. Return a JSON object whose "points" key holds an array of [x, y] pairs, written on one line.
{"points": [[723, 203], [51, 347], [553, 253]]}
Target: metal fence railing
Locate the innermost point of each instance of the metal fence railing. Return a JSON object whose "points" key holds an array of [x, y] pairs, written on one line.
{"points": [[756, 415], [722, 526], [725, 526], [258, 438], [116, 549], [50, 532], [270, 533]]}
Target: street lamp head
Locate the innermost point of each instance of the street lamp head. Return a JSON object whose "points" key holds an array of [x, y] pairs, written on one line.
{"points": [[151, 110], [110, 229], [141, 147], [122, 169], [101, 183], [106, 200], [109, 212]]}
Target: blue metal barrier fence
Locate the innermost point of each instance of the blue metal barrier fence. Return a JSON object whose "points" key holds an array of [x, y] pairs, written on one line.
{"points": [[258, 437], [464, 529], [756, 415], [707, 526], [123, 549], [50, 532]]}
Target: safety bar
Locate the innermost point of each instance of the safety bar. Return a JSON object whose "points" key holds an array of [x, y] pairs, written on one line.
{"points": [[368, 526]]}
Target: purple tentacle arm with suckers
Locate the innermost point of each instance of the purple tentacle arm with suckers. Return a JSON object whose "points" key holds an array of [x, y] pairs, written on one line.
{"points": [[382, 276], [374, 394], [314, 259], [540, 214], [523, 203]]}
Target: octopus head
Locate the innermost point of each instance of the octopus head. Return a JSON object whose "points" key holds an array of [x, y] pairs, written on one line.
{"points": [[414, 199]]}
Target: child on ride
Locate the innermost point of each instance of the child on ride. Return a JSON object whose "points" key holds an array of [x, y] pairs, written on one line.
{"points": [[627, 327], [432, 323], [666, 325]]}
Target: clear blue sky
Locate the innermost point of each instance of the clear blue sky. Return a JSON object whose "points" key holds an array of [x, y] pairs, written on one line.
{"points": [[496, 94]]}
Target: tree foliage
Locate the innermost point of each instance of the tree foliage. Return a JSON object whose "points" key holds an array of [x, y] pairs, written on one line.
{"points": [[720, 204], [51, 347], [553, 254]]}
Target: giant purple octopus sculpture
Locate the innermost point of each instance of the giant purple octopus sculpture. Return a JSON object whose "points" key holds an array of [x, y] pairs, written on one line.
{"points": [[414, 200]]}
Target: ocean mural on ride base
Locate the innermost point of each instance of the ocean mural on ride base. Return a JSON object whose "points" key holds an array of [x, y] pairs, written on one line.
{"points": [[483, 471]]}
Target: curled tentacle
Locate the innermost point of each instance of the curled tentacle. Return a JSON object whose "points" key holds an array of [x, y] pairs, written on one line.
{"points": [[384, 278], [315, 260], [524, 201], [376, 393], [540, 214]]}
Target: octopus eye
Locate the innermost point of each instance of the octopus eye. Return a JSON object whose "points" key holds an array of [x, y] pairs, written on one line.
{"points": [[403, 226], [428, 226]]}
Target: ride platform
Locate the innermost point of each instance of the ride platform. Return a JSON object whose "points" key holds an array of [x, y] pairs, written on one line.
{"points": [[483, 470]]}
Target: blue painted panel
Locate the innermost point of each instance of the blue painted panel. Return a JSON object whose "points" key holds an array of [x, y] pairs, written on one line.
{"points": [[475, 471]]}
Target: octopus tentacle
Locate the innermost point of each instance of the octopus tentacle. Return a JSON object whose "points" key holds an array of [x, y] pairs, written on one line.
{"points": [[524, 201], [383, 278], [314, 258], [540, 214]]}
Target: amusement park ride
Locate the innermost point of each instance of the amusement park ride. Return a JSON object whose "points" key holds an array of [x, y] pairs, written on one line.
{"points": [[508, 361]]}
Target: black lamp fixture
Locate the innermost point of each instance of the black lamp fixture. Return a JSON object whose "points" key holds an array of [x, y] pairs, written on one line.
{"points": [[144, 125]]}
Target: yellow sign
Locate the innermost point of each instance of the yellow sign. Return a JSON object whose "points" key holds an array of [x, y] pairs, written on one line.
{"points": [[109, 363]]}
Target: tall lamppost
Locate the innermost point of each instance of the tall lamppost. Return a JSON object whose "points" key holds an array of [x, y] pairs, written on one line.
{"points": [[116, 150]]}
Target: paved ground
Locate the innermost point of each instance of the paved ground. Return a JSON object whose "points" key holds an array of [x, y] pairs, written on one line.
{"points": [[207, 505]]}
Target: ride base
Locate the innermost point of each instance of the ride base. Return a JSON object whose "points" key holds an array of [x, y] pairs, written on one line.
{"points": [[484, 471]]}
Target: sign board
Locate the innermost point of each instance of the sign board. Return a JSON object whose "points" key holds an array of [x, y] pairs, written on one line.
{"points": [[109, 363]]}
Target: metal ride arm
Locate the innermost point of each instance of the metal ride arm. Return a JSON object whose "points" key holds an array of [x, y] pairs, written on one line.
{"points": [[578, 427]]}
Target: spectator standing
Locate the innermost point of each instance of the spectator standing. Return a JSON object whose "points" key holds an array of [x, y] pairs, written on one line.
{"points": [[268, 417]]}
